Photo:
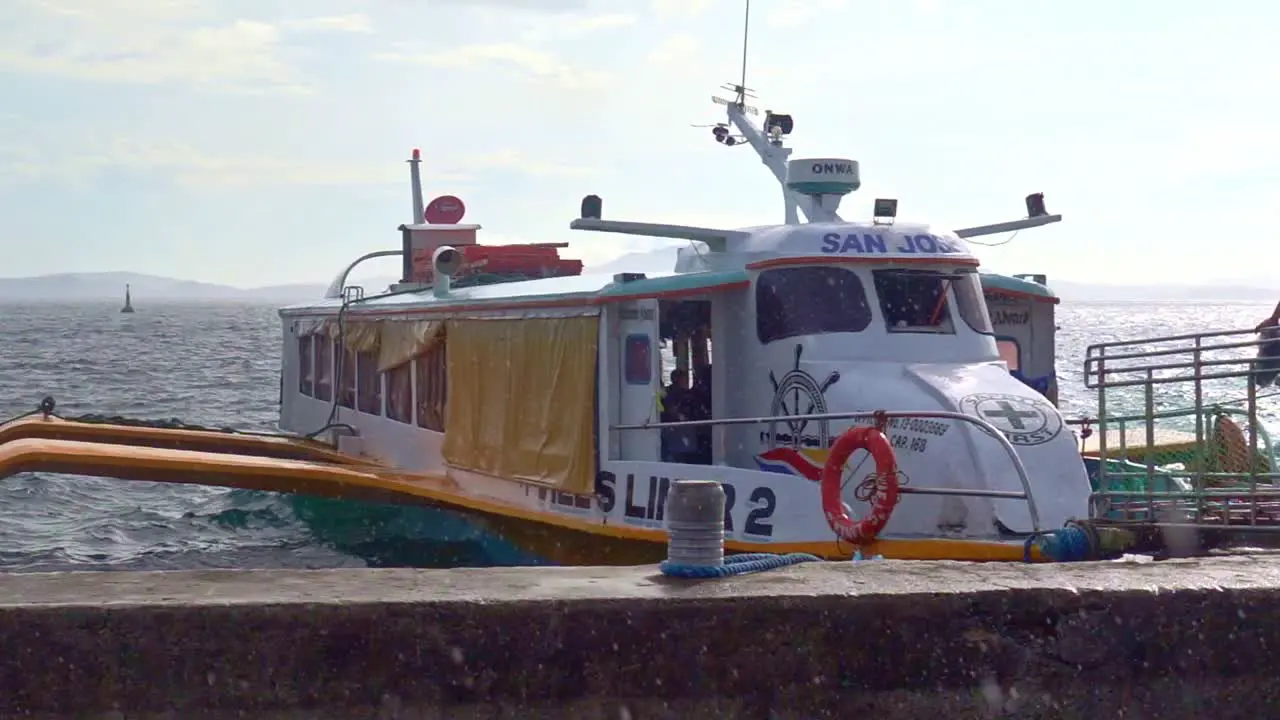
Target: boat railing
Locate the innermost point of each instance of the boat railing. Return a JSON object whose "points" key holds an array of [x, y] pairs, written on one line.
{"points": [[339, 284], [718, 425], [1208, 413], [1223, 475]]}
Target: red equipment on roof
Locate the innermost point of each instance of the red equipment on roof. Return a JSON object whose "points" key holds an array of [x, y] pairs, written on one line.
{"points": [[532, 261]]}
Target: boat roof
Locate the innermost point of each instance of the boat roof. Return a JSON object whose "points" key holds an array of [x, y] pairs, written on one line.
{"points": [[746, 248], [824, 241], [591, 289], [817, 242], [579, 290], [1016, 287]]}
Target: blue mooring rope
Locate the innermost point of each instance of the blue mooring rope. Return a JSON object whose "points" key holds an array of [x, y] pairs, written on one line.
{"points": [[744, 563], [1068, 544], [736, 565]]}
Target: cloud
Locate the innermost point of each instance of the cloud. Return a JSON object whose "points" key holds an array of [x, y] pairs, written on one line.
{"points": [[513, 160], [593, 23], [142, 42], [355, 23], [532, 61], [187, 166], [675, 50], [927, 8], [32, 153], [678, 9], [793, 13], [520, 5]]}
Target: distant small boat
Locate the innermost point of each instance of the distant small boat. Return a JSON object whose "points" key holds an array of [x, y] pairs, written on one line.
{"points": [[128, 303]]}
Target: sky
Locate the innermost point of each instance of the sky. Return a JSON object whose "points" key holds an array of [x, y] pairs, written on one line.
{"points": [[263, 142]]}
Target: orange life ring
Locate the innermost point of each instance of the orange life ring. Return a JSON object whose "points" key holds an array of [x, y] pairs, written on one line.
{"points": [[883, 500]]}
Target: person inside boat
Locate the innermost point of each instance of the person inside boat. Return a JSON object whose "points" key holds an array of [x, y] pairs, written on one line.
{"points": [[679, 444], [701, 393], [702, 389], [674, 394]]}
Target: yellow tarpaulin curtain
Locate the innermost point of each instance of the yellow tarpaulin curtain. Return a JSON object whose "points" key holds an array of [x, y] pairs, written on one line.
{"points": [[401, 341], [361, 336], [522, 399]]}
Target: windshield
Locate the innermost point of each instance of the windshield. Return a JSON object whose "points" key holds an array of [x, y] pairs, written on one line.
{"points": [[813, 300], [970, 302], [918, 301], [914, 300]]}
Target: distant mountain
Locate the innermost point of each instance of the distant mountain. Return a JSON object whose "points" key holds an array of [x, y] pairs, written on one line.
{"points": [[103, 286], [83, 287]]}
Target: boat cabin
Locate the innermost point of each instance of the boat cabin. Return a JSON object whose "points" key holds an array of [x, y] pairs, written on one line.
{"points": [[1021, 308]]}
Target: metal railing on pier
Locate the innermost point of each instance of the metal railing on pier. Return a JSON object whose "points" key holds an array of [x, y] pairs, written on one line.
{"points": [[1223, 475]]}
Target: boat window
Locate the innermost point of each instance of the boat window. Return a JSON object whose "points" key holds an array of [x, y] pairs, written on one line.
{"points": [[346, 377], [914, 300], [369, 383], [432, 386], [970, 301], [306, 378], [324, 368], [400, 393], [812, 300], [638, 368]]}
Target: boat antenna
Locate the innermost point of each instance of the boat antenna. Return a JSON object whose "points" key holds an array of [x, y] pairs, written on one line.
{"points": [[740, 91], [768, 139], [746, 34], [769, 142]]}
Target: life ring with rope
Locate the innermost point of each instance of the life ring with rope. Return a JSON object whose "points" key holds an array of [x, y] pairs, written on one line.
{"points": [[885, 479]]}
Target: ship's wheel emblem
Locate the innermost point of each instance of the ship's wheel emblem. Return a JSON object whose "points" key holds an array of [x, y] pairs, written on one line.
{"points": [[797, 394]]}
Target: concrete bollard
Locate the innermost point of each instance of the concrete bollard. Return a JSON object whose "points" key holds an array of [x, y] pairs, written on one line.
{"points": [[695, 523]]}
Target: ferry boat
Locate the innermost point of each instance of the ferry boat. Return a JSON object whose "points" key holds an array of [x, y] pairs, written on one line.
{"points": [[855, 386]]}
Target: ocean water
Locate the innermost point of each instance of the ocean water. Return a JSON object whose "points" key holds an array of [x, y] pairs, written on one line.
{"points": [[218, 364]]}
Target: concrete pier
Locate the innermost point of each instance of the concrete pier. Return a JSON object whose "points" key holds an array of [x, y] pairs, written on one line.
{"points": [[880, 639]]}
